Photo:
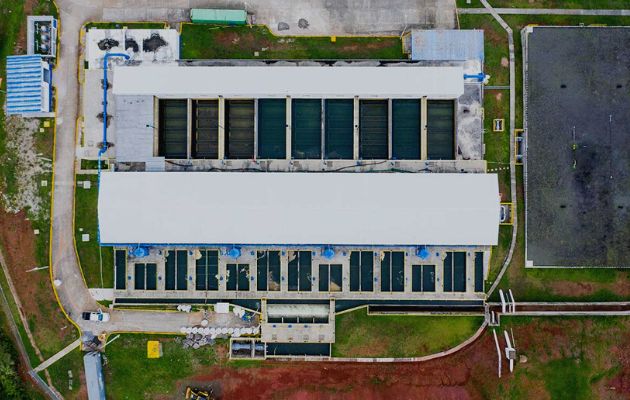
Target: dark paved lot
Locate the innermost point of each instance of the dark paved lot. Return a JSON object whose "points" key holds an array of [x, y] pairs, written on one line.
{"points": [[578, 200]]}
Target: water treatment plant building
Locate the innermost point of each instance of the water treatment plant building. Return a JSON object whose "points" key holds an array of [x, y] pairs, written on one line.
{"points": [[297, 189]]}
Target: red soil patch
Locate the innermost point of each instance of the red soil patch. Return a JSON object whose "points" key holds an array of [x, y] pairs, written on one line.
{"points": [[34, 288], [620, 287], [448, 378], [620, 383], [20, 44]]}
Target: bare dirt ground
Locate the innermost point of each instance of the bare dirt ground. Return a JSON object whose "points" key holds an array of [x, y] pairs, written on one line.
{"points": [[444, 379], [469, 374], [49, 325]]}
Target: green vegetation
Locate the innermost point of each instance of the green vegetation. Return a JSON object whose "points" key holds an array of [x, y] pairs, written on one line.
{"points": [[361, 335], [496, 52], [130, 25], [93, 164], [568, 358], [30, 351], [201, 41], [11, 386], [497, 106], [129, 374], [45, 7], [586, 4], [567, 378], [12, 18], [68, 385], [97, 262]]}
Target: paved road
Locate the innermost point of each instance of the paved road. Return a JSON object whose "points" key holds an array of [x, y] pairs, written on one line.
{"points": [[69, 283], [322, 17], [544, 11]]}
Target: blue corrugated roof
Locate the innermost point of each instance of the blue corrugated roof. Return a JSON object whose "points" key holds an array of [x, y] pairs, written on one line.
{"points": [[447, 45], [24, 84]]}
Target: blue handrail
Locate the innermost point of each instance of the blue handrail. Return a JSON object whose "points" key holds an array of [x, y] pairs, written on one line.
{"points": [[104, 147]]}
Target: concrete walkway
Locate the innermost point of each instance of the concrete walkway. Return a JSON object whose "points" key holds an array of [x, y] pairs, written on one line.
{"points": [[513, 198], [57, 356], [545, 11]]}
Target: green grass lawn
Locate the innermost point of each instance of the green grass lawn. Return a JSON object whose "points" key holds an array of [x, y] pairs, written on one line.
{"points": [[496, 50], [69, 387], [497, 106], [12, 386], [93, 164], [360, 335], [97, 262], [587, 4], [130, 25], [569, 358], [201, 41], [130, 375], [10, 20]]}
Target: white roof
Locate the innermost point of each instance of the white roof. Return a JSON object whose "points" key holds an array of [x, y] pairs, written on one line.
{"points": [[250, 208], [295, 81]]}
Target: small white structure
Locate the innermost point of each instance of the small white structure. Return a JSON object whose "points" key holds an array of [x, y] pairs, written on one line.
{"points": [[222, 308], [41, 35]]}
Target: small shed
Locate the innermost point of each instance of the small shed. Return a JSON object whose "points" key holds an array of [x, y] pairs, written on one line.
{"points": [[29, 86], [447, 45], [41, 36], [94, 376], [218, 16]]}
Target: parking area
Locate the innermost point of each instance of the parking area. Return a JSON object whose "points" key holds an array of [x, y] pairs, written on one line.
{"points": [[303, 17], [578, 132]]}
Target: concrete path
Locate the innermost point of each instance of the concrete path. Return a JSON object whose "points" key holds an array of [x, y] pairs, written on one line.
{"points": [[544, 11], [302, 17], [57, 356], [508, 258], [67, 277]]}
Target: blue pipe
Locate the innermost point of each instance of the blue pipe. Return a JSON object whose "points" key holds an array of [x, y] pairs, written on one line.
{"points": [[480, 76], [104, 148]]}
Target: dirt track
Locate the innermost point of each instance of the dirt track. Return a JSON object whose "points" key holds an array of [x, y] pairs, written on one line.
{"points": [[449, 378], [591, 345]]}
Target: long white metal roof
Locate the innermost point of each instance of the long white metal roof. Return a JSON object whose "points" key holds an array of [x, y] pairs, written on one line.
{"points": [[256, 208], [295, 81]]}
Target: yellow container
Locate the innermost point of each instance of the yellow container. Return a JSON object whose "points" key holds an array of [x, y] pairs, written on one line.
{"points": [[333, 39], [154, 349]]}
